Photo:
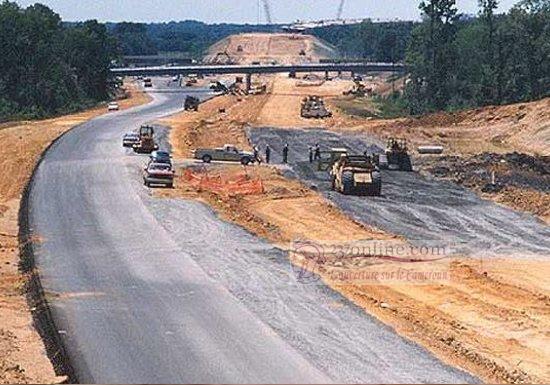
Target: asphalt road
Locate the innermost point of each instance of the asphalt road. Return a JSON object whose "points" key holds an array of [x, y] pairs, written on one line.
{"points": [[424, 210], [145, 290]]}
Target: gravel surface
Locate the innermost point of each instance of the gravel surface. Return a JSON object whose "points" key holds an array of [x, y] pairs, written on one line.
{"points": [[422, 209]]}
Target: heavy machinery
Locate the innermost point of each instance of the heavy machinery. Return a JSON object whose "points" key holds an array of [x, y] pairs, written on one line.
{"points": [[314, 107], [328, 158], [359, 90], [146, 143], [356, 175], [397, 154], [191, 103]]}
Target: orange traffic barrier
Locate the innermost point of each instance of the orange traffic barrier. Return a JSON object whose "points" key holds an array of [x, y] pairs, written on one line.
{"points": [[228, 185]]}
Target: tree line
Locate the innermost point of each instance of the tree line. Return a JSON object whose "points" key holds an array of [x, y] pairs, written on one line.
{"points": [[458, 62], [47, 67]]}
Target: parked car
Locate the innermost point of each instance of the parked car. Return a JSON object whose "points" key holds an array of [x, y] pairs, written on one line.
{"points": [[160, 157], [113, 106], [158, 174], [130, 139], [226, 153]]}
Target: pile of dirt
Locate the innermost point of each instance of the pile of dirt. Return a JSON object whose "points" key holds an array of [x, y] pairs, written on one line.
{"points": [[269, 48], [519, 180]]}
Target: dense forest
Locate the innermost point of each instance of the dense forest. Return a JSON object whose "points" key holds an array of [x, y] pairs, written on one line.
{"points": [[458, 62], [47, 68], [384, 42]]}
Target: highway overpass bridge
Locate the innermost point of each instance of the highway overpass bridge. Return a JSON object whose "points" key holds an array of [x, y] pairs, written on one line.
{"points": [[249, 70]]}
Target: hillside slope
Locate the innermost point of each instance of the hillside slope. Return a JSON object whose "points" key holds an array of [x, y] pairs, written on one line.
{"points": [[282, 48]]}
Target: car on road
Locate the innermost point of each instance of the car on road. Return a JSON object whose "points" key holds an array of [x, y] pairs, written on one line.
{"points": [[113, 106], [130, 139], [158, 174], [160, 157], [226, 153]]}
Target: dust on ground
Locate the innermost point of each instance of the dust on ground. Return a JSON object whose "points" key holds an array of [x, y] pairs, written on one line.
{"points": [[269, 48], [488, 317], [22, 355]]}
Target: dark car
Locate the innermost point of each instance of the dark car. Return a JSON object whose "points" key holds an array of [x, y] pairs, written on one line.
{"points": [[160, 157]]}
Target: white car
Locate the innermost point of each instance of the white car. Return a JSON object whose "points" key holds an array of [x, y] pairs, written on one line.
{"points": [[113, 106]]}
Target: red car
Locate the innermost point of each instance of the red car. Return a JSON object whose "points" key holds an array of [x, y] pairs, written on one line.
{"points": [[158, 174]]}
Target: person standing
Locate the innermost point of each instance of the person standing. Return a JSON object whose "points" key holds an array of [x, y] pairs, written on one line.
{"points": [[267, 153], [317, 152], [310, 149], [285, 153]]}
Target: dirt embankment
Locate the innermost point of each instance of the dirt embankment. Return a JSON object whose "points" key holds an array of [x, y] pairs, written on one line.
{"points": [[489, 317], [523, 127], [22, 354], [268, 48], [519, 181]]}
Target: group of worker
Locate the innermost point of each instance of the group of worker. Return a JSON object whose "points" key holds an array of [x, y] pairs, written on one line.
{"points": [[267, 153], [314, 153]]}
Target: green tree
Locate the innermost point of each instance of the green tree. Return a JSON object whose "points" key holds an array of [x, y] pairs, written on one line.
{"points": [[432, 57]]}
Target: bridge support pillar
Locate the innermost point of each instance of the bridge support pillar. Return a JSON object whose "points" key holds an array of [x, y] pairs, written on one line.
{"points": [[248, 82]]}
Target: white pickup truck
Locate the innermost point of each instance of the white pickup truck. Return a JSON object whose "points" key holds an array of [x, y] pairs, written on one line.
{"points": [[226, 153]]}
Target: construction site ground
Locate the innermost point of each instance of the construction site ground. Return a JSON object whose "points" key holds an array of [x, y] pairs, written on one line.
{"points": [[490, 316], [22, 353], [267, 48]]}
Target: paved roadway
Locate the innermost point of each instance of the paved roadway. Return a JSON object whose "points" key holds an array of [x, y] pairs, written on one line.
{"points": [[147, 290]]}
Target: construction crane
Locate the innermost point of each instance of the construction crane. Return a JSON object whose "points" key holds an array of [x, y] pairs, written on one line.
{"points": [[267, 11], [340, 10]]}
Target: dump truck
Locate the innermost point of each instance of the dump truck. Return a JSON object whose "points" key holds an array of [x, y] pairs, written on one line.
{"points": [[356, 175], [146, 143], [191, 103], [397, 154], [314, 107], [226, 153]]}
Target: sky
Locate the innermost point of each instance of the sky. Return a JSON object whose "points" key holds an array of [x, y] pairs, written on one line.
{"points": [[239, 11]]}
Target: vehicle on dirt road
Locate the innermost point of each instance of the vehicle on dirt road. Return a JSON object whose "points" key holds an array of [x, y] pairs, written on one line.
{"points": [[113, 106], [226, 153], [146, 143], [356, 175], [147, 82], [160, 157], [397, 154], [191, 103], [313, 107], [158, 174], [328, 158], [130, 139]]}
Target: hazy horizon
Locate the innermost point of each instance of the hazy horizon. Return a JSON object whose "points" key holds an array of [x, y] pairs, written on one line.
{"points": [[238, 11]]}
